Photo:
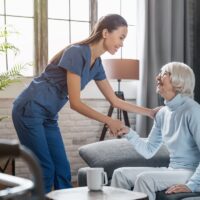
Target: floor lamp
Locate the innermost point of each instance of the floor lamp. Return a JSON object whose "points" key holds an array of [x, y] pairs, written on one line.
{"points": [[120, 69]]}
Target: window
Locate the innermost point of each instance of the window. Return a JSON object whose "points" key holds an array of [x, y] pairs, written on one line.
{"points": [[128, 9], [19, 23], [69, 25], [45, 27]]}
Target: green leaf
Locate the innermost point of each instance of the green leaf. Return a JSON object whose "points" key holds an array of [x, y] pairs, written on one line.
{"points": [[4, 117], [7, 30], [13, 75], [5, 46]]}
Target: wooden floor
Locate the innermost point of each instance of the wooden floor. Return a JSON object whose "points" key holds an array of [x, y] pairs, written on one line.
{"points": [[75, 184]]}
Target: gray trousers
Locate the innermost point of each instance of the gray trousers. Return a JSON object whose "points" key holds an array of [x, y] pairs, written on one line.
{"points": [[149, 179]]}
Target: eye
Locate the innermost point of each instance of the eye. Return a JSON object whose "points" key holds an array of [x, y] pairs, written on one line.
{"points": [[165, 73], [122, 37]]}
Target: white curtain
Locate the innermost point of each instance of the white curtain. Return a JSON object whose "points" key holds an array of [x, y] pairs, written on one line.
{"points": [[162, 34]]}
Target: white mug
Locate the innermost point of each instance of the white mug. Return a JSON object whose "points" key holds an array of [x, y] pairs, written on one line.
{"points": [[96, 178]]}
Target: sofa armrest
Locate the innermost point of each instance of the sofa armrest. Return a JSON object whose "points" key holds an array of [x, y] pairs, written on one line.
{"points": [[115, 153], [178, 196]]}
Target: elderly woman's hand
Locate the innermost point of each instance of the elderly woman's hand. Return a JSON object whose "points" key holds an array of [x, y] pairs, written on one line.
{"points": [[177, 188], [123, 131], [114, 126]]}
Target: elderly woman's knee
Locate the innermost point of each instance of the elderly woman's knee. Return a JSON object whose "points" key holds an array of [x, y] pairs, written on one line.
{"points": [[118, 173], [145, 178]]}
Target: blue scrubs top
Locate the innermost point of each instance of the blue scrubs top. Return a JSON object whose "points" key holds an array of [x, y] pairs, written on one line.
{"points": [[47, 94]]}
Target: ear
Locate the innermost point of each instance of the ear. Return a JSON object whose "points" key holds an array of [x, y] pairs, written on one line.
{"points": [[105, 33]]}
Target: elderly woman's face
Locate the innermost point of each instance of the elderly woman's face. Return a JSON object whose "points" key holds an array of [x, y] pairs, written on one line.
{"points": [[164, 85]]}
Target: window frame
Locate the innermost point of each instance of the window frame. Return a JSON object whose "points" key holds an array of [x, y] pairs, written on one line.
{"points": [[10, 29], [41, 31], [40, 23]]}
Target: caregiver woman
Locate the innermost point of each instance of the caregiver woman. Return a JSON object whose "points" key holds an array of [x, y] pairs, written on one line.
{"points": [[35, 111]]}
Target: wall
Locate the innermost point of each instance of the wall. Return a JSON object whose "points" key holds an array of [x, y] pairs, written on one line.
{"points": [[76, 129]]}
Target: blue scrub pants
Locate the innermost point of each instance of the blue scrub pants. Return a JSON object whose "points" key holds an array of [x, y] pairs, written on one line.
{"points": [[43, 137]]}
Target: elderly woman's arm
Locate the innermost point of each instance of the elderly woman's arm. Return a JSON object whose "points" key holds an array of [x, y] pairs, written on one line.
{"points": [[149, 146], [194, 123], [145, 147]]}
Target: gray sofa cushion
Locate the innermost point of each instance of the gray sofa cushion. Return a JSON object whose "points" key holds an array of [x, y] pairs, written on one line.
{"points": [[115, 153]]}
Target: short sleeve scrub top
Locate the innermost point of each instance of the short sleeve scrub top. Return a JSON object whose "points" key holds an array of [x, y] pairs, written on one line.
{"points": [[47, 94]]}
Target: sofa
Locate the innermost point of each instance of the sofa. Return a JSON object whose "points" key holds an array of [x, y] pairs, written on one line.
{"points": [[114, 153]]}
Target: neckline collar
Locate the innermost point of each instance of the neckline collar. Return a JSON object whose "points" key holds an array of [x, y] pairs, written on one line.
{"points": [[174, 103]]}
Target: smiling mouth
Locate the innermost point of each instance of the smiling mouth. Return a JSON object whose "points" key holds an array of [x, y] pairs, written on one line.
{"points": [[159, 84]]}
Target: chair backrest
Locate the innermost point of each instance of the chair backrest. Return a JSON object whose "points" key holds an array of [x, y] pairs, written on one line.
{"points": [[20, 186]]}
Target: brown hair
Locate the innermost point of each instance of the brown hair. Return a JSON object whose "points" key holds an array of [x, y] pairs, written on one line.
{"points": [[110, 22]]}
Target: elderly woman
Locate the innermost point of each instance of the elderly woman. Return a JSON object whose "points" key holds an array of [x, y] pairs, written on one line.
{"points": [[176, 125]]}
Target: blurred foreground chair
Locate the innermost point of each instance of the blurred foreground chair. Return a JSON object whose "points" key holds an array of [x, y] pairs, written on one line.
{"points": [[16, 187]]}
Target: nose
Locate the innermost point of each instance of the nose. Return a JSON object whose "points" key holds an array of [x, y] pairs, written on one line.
{"points": [[158, 77]]}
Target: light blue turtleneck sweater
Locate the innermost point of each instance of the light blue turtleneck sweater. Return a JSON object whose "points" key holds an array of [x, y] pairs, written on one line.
{"points": [[177, 125]]}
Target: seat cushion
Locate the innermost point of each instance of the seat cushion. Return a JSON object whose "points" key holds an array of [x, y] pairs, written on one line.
{"points": [[115, 153]]}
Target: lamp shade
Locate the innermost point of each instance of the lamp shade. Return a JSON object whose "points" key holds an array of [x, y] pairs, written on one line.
{"points": [[121, 68]]}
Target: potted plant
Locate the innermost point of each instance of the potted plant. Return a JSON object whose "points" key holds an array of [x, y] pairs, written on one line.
{"points": [[14, 73]]}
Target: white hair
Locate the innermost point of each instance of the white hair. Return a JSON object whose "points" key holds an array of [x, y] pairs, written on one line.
{"points": [[182, 78]]}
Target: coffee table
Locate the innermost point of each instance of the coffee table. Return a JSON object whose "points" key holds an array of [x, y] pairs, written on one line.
{"points": [[107, 193]]}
